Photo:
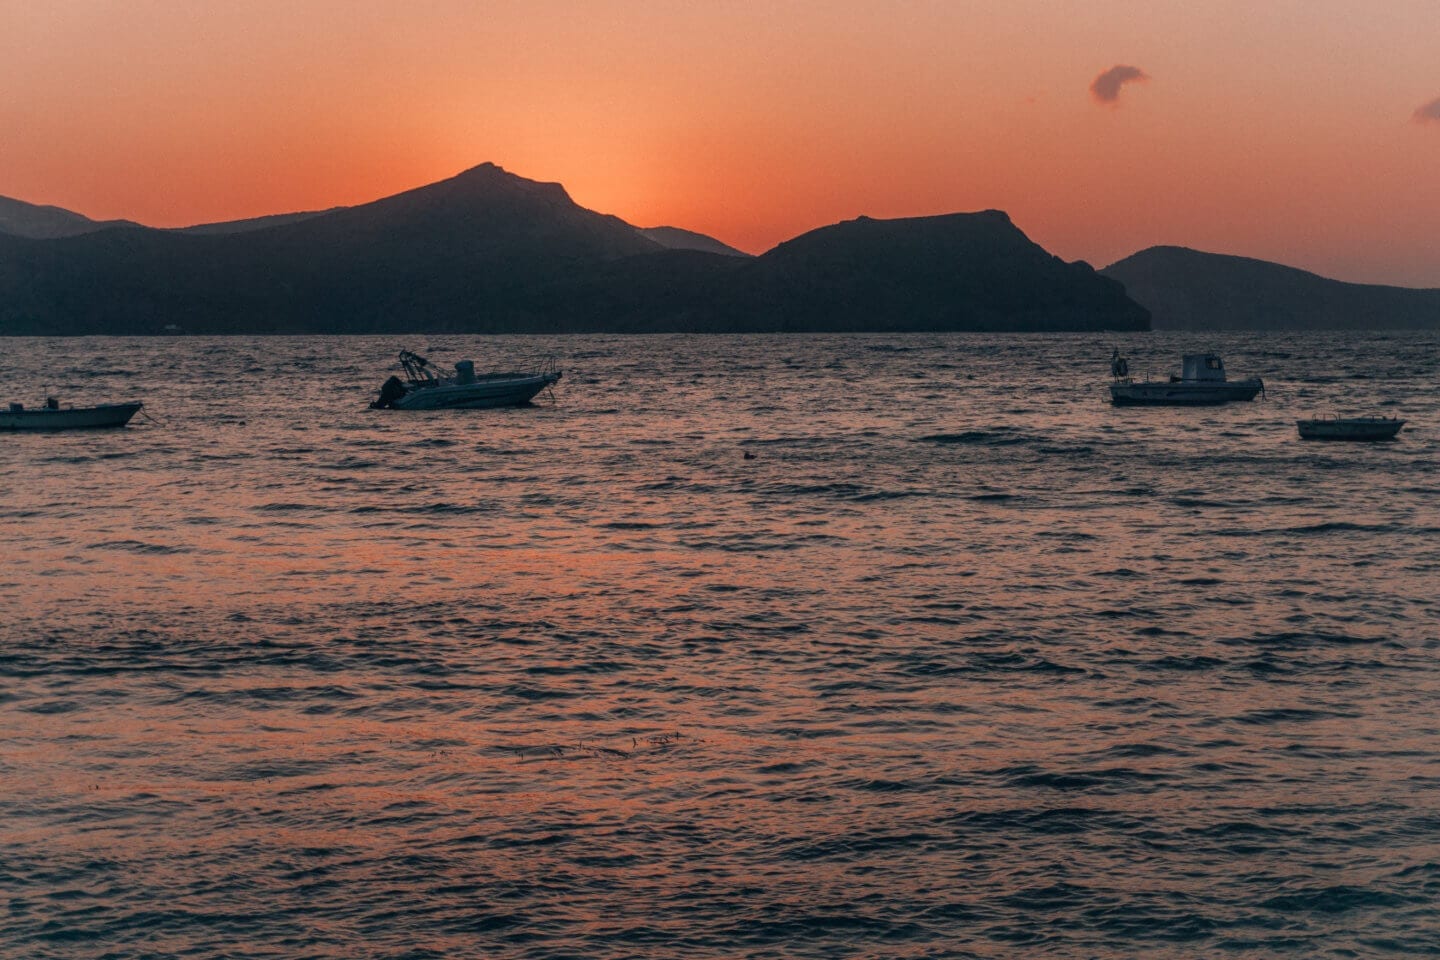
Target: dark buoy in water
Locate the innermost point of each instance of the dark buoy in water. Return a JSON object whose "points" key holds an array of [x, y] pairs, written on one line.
{"points": [[749, 455]]}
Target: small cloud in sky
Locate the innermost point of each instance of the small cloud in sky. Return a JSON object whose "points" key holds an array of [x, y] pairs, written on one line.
{"points": [[1429, 113], [1106, 87]]}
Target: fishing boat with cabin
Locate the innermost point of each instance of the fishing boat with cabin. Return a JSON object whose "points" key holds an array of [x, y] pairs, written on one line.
{"points": [[1201, 382]]}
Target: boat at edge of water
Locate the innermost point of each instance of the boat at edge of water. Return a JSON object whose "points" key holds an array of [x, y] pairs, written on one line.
{"points": [[1349, 428], [54, 417], [1201, 381], [425, 388]]}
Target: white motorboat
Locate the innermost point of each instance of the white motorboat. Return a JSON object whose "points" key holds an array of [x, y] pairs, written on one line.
{"points": [[425, 388], [1349, 428], [52, 416], [1201, 381]]}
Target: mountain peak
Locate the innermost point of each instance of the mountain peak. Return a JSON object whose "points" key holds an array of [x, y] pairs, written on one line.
{"points": [[948, 236], [491, 178]]}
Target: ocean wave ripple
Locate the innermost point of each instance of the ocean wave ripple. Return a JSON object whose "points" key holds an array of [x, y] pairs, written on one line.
{"points": [[746, 646]]}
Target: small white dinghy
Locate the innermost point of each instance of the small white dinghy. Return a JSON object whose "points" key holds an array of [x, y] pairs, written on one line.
{"points": [[1349, 428], [52, 416]]}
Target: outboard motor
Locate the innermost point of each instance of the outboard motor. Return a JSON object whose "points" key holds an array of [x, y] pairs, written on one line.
{"points": [[465, 371], [390, 391]]}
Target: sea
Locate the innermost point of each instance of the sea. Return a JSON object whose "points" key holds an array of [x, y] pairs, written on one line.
{"points": [[893, 646]]}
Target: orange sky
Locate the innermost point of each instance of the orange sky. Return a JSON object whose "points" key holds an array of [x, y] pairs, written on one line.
{"points": [[1280, 129]]}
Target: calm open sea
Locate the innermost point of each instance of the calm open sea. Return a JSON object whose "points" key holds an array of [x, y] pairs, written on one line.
{"points": [[860, 646]]}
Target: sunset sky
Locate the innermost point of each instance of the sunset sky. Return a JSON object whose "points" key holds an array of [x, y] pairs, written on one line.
{"points": [[1302, 131]]}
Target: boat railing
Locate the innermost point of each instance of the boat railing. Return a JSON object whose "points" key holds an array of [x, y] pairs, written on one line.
{"points": [[420, 372], [1339, 418], [537, 365], [417, 368]]}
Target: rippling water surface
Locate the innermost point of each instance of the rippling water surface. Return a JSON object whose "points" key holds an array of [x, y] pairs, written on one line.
{"points": [[743, 646]]}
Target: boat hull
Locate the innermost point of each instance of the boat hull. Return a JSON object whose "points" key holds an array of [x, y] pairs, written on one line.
{"points": [[1363, 429], [1181, 393], [495, 390], [104, 416]]}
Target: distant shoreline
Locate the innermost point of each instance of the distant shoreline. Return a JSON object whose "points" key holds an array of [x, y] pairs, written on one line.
{"points": [[1406, 331]]}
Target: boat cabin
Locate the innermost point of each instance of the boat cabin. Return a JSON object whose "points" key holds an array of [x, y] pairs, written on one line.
{"points": [[1203, 366]]}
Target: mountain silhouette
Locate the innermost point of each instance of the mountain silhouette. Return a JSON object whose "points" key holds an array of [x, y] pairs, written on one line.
{"points": [[674, 238], [1187, 289], [962, 271], [37, 222], [488, 251], [252, 223]]}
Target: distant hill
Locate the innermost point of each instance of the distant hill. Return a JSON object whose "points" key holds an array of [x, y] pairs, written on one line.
{"points": [[966, 271], [962, 271], [21, 219], [488, 251], [674, 238], [1189, 290], [254, 223], [454, 255]]}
